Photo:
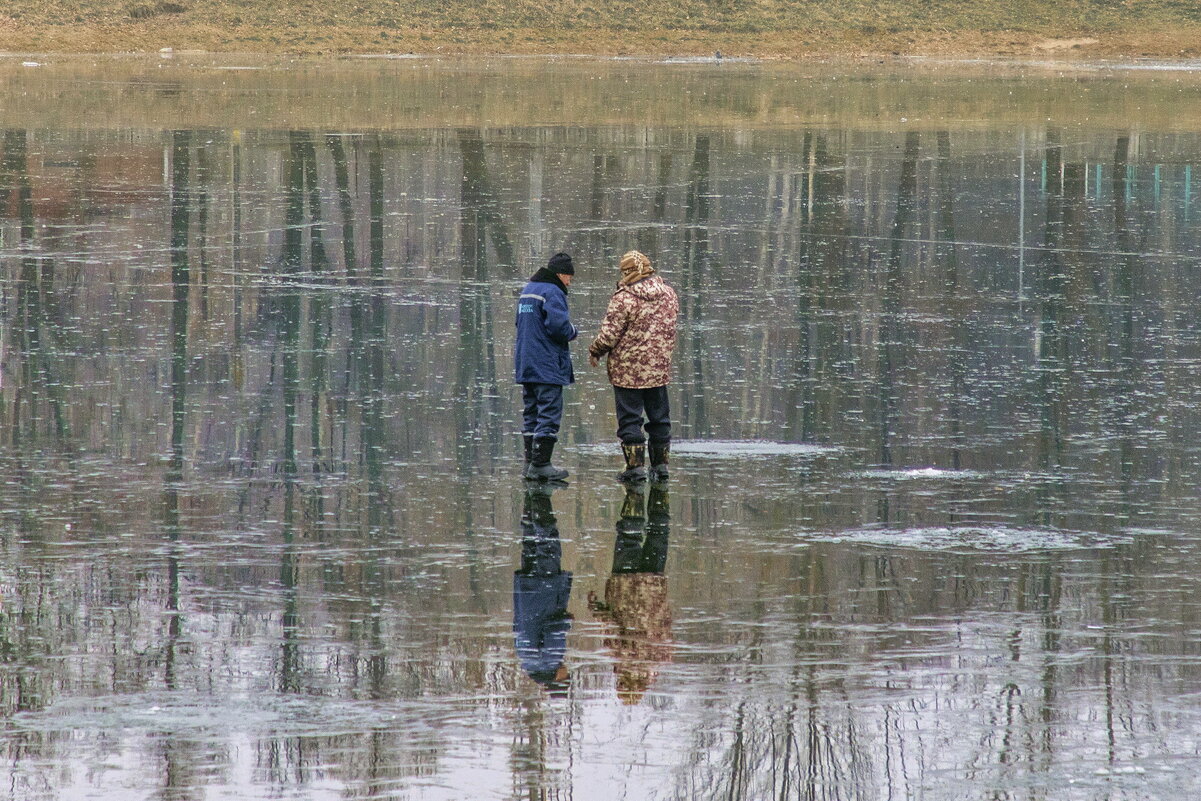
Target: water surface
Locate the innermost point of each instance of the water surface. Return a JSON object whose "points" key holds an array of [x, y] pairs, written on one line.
{"points": [[933, 517]]}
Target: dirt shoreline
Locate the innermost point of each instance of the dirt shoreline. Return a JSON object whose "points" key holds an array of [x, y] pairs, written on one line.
{"points": [[153, 36]]}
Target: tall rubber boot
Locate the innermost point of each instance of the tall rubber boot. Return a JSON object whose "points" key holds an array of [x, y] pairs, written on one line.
{"points": [[529, 451], [540, 468], [659, 453], [635, 456]]}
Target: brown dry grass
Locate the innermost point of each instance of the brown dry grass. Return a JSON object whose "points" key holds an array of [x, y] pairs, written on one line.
{"points": [[788, 45], [783, 29]]}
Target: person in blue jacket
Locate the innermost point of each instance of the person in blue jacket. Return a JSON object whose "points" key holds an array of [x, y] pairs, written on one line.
{"points": [[542, 363]]}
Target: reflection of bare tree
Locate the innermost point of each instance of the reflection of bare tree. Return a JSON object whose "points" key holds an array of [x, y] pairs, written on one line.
{"points": [[478, 409], [1128, 381], [280, 323], [288, 327], [821, 262], [696, 252], [291, 664], [890, 343], [648, 237], [180, 288], [891, 338], [789, 720], [481, 213], [350, 266], [36, 338], [200, 202], [1052, 348], [955, 313], [810, 746], [320, 310], [179, 757]]}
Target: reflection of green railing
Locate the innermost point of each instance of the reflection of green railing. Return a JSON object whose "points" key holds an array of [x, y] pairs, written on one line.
{"points": [[1160, 180]]}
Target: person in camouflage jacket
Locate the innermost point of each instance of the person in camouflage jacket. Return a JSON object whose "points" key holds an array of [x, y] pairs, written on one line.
{"points": [[638, 336]]}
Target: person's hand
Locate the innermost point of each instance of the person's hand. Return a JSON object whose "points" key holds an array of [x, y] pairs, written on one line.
{"points": [[593, 360]]}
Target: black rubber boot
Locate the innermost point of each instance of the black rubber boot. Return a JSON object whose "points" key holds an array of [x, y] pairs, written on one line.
{"points": [[540, 468], [635, 456], [529, 451], [659, 453]]}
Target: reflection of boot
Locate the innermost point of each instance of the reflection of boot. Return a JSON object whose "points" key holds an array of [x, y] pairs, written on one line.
{"points": [[658, 508], [541, 550], [659, 453], [544, 488], [631, 525], [540, 468], [635, 456], [658, 519], [633, 508], [539, 508], [529, 451]]}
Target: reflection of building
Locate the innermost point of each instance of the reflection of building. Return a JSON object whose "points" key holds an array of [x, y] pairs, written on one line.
{"points": [[635, 607], [541, 589]]}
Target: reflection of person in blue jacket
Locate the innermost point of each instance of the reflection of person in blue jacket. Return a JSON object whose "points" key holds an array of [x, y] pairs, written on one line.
{"points": [[542, 363], [541, 589]]}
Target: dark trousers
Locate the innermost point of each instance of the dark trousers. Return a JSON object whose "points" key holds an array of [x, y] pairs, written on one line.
{"points": [[632, 404], [542, 409]]}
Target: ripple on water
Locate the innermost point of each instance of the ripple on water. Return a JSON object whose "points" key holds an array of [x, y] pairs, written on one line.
{"points": [[994, 538]]}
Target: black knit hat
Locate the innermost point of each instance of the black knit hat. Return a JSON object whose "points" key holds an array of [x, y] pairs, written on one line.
{"points": [[560, 264]]}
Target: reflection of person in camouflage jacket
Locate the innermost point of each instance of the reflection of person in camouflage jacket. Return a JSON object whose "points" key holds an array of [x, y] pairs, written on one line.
{"points": [[635, 607], [638, 336]]}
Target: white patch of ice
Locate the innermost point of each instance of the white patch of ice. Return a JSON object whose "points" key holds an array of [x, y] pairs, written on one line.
{"points": [[1160, 66], [393, 56], [737, 449], [998, 538], [723, 448], [919, 472], [715, 59]]}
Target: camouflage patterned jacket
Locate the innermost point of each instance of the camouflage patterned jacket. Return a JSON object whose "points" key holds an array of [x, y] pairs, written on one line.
{"points": [[639, 334]]}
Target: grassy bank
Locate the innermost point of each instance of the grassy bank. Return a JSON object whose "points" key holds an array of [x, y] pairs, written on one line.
{"points": [[768, 28]]}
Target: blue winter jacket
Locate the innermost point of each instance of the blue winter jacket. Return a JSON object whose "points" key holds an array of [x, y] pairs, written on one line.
{"points": [[543, 330]]}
